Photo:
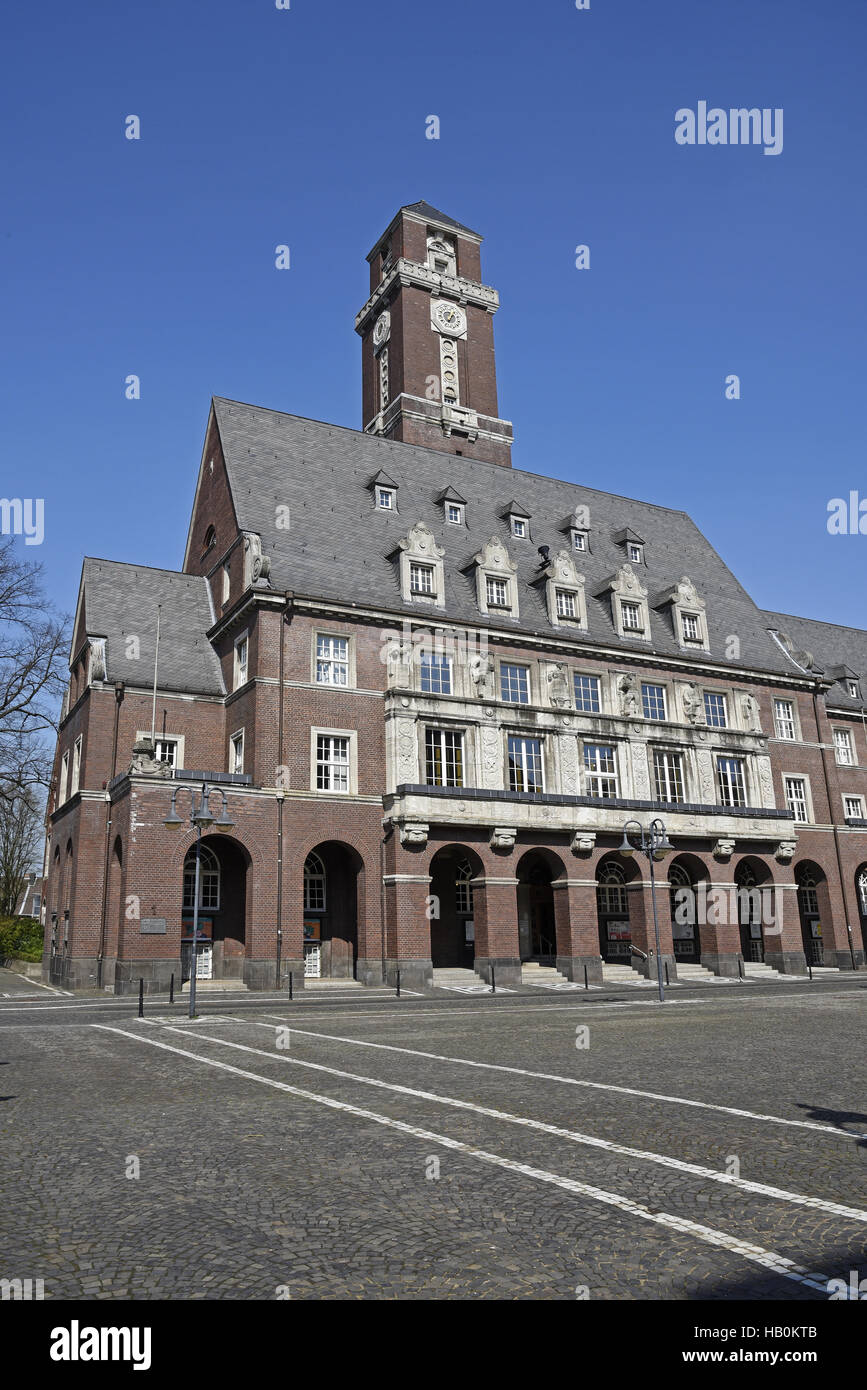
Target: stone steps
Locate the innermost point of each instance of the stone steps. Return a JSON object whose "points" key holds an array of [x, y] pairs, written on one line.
{"points": [[532, 973], [216, 987], [622, 975], [446, 975], [690, 973]]}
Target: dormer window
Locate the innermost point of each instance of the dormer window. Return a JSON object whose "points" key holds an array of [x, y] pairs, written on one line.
{"points": [[852, 689], [566, 604], [579, 540], [631, 616], [636, 554], [497, 592], [688, 615], [421, 579], [518, 518], [386, 499], [519, 527], [455, 513], [441, 255], [691, 627]]}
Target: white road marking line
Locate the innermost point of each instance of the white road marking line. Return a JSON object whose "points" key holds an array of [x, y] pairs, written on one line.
{"points": [[574, 1136], [566, 1080], [768, 1259]]}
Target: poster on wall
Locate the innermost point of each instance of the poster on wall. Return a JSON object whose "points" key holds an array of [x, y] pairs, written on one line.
{"points": [[312, 928]]}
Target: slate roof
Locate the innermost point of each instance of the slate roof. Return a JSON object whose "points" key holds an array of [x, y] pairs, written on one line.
{"points": [[833, 648], [423, 209], [339, 547], [121, 601]]}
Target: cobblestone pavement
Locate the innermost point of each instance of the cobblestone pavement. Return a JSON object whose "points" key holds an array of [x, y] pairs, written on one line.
{"points": [[279, 1153]]}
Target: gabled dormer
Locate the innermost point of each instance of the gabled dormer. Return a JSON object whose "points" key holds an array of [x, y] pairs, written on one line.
{"points": [[688, 617], [422, 579], [496, 580], [629, 611], [577, 527], [564, 592], [383, 490], [454, 507], [631, 544], [518, 519]]}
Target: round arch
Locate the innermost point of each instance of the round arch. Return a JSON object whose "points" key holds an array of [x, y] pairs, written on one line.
{"points": [[685, 873], [613, 874], [812, 902], [536, 871], [333, 905], [751, 876], [224, 905], [452, 906]]}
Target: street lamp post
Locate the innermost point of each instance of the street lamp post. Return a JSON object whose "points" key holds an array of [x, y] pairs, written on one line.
{"points": [[655, 844], [200, 819]]}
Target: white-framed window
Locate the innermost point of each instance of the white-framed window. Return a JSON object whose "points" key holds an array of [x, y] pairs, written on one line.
{"points": [[525, 764], [386, 499], [226, 584], [587, 693], [514, 683], [76, 767], [455, 513], [853, 807], [519, 527], [579, 540], [444, 757], [236, 752], [600, 770], [731, 780], [332, 659], [314, 884], [497, 592], [435, 673], [636, 553], [166, 751], [784, 719], [796, 798], [209, 880], [691, 625], [63, 793], [242, 649], [464, 889], [715, 711], [668, 775], [567, 606], [843, 747], [852, 689], [421, 579], [653, 700], [631, 616], [332, 763]]}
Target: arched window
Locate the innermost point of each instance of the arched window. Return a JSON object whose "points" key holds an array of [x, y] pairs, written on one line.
{"points": [[749, 898], [808, 882], [314, 884], [861, 884], [678, 881], [612, 889], [210, 539], [464, 889], [209, 880]]}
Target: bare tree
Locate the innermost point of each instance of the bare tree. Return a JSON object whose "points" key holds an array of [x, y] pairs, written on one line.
{"points": [[20, 833], [33, 674]]}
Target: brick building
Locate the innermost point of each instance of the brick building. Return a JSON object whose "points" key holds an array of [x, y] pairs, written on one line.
{"points": [[429, 690]]}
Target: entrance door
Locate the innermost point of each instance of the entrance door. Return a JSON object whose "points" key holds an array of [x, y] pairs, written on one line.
{"points": [[542, 931], [205, 962], [618, 942]]}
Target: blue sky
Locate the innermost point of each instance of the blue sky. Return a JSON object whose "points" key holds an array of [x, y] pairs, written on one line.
{"points": [[262, 126]]}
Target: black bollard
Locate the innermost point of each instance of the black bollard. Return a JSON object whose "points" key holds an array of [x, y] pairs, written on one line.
{"points": [[141, 998], [290, 985], [172, 989], [493, 981], [398, 984]]}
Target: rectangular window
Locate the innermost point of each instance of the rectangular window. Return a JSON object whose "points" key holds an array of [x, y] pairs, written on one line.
{"points": [[385, 499], [421, 579], [630, 616], [579, 540], [796, 797], [691, 627], [653, 701], [241, 650], [784, 719], [435, 673], [455, 513], [167, 751], [497, 592], [332, 763], [525, 764], [64, 780], [566, 607], [668, 776], [854, 807], [587, 694], [852, 689], [731, 781], [635, 554], [715, 710], [600, 770], [515, 684], [76, 767], [236, 752], [843, 747], [444, 758], [519, 526], [332, 660]]}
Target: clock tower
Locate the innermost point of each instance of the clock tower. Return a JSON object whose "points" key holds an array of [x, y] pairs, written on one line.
{"points": [[427, 334]]}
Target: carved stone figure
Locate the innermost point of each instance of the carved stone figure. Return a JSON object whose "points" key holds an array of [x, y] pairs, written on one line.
{"points": [[558, 685], [482, 676], [628, 688], [144, 763], [693, 703], [399, 663], [751, 713]]}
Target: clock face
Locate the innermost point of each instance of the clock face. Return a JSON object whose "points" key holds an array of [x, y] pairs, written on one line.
{"points": [[450, 318], [382, 328]]}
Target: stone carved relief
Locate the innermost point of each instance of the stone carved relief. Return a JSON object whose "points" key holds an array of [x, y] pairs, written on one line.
{"points": [[490, 756], [144, 764], [414, 832], [640, 772], [504, 837], [482, 676], [257, 566], [785, 851], [398, 663], [558, 685], [723, 849], [97, 658], [751, 713], [705, 777], [766, 781], [569, 764], [627, 687], [693, 703], [406, 751], [583, 842]]}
